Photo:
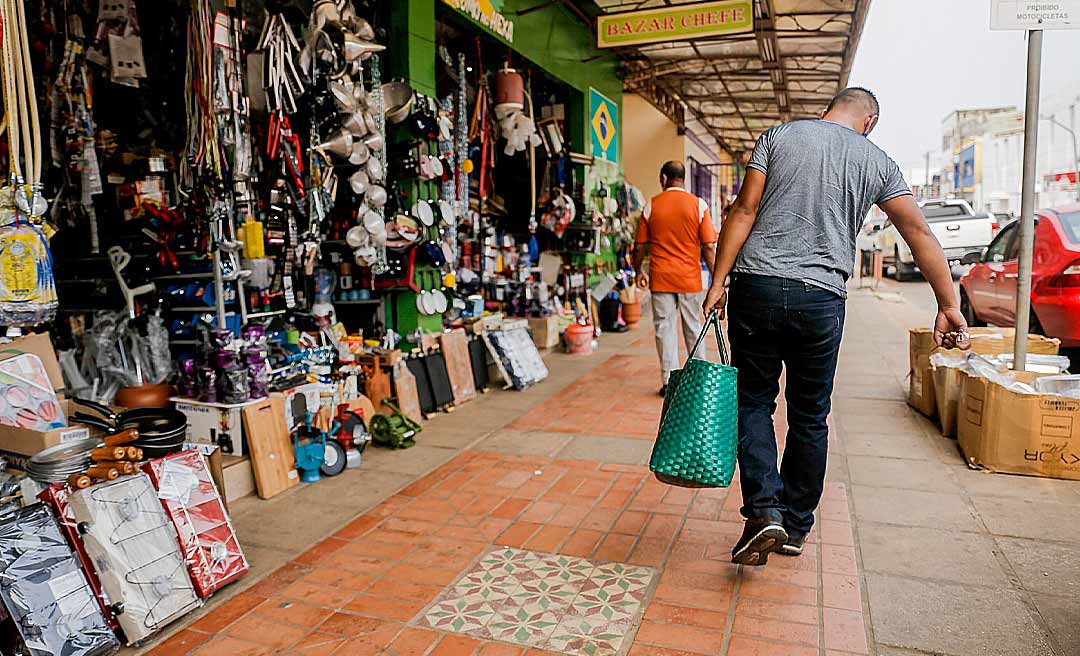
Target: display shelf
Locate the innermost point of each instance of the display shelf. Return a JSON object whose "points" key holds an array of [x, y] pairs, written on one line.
{"points": [[369, 301], [206, 275], [193, 308], [270, 313]]}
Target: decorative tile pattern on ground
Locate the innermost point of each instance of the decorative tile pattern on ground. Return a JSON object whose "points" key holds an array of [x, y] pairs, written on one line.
{"points": [[549, 601]]}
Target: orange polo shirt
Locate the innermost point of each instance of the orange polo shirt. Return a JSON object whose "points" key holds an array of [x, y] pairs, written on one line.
{"points": [[675, 224]]}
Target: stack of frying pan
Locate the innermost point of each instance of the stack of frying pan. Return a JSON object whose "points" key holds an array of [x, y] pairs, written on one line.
{"points": [[161, 430]]}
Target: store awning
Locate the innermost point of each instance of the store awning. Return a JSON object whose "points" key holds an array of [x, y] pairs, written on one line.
{"points": [[734, 87]]}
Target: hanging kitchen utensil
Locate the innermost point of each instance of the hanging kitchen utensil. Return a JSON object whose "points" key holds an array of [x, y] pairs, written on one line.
{"points": [[397, 100], [446, 212], [358, 182], [422, 211], [357, 236], [359, 154], [357, 49], [437, 168], [375, 170], [509, 89], [370, 123], [375, 141], [339, 144], [376, 194], [441, 302], [355, 125]]}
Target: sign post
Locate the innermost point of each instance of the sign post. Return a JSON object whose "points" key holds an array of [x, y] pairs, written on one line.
{"points": [[1033, 17], [1027, 199]]}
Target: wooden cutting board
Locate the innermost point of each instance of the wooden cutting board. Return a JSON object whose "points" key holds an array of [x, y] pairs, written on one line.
{"points": [[271, 450], [407, 394], [455, 348]]}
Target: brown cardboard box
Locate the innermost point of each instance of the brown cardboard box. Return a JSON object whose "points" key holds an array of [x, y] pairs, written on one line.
{"points": [[947, 381], [545, 331], [18, 444], [985, 341], [1005, 431]]}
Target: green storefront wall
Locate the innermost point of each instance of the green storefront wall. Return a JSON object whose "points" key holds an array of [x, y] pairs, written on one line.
{"points": [[550, 38]]}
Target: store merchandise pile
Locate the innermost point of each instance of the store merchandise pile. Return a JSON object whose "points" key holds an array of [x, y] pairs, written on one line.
{"points": [[111, 525]]}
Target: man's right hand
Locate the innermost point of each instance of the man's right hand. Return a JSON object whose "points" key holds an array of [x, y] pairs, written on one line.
{"points": [[643, 280], [716, 299]]}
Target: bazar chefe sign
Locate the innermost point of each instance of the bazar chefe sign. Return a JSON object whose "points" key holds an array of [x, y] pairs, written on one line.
{"points": [[487, 14], [675, 23]]}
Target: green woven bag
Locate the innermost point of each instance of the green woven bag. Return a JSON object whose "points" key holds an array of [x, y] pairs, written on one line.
{"points": [[698, 440]]}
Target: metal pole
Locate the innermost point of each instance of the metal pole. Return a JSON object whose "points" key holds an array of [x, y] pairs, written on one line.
{"points": [[1027, 199]]}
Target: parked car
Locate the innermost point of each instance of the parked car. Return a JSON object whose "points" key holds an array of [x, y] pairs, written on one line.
{"points": [[957, 227], [988, 290]]}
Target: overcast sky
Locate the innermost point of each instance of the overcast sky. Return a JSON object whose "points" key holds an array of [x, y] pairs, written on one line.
{"points": [[925, 58]]}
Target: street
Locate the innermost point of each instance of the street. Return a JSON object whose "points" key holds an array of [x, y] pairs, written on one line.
{"points": [[913, 552]]}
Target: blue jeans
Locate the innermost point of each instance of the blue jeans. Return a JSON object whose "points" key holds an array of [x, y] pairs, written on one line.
{"points": [[777, 323]]}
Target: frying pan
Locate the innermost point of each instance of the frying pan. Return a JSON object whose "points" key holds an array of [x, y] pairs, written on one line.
{"points": [[151, 422]]}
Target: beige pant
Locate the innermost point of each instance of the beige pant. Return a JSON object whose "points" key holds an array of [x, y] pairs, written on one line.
{"points": [[667, 309]]}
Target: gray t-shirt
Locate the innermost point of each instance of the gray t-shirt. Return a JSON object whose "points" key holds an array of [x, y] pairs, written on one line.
{"points": [[821, 179]]}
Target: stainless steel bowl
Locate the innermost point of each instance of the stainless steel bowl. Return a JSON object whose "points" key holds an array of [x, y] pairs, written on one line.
{"points": [[398, 100]]}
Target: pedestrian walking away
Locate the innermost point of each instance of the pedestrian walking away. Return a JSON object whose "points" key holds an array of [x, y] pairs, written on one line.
{"points": [[677, 229], [788, 245]]}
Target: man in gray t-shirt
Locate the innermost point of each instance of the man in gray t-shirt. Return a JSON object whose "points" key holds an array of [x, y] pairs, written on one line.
{"points": [[788, 243], [820, 179]]}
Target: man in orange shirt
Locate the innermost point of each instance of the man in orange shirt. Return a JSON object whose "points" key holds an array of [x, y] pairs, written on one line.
{"points": [[677, 229]]}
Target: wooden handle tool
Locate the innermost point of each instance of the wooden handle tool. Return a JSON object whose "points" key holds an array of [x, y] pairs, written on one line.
{"points": [[123, 437], [79, 481], [108, 453], [123, 466], [104, 473]]}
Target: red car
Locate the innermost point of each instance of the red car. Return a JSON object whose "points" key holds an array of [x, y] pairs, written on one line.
{"points": [[988, 291]]}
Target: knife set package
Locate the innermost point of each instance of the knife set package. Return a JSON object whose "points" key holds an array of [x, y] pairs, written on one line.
{"points": [[56, 498], [45, 592], [191, 500], [133, 547]]}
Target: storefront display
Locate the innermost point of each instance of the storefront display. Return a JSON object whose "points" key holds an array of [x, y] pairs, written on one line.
{"points": [[262, 237]]}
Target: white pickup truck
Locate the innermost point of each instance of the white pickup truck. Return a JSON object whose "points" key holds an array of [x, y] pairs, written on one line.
{"points": [[957, 227]]}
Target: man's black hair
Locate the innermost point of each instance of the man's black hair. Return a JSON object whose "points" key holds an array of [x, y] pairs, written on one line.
{"points": [[856, 94], [673, 170]]}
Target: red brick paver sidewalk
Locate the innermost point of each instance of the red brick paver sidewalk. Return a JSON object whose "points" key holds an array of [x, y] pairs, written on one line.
{"points": [[367, 589]]}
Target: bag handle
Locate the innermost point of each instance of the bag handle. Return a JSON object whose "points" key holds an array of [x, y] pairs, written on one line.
{"points": [[712, 320]]}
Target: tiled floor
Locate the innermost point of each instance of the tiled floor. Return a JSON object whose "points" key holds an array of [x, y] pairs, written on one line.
{"points": [[563, 603], [387, 582], [536, 471]]}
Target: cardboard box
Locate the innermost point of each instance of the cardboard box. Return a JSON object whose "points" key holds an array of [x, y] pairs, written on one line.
{"points": [[947, 391], [214, 423], [545, 331], [987, 341], [1004, 431], [18, 444]]}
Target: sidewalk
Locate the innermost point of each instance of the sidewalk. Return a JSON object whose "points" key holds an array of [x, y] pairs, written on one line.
{"points": [[527, 522]]}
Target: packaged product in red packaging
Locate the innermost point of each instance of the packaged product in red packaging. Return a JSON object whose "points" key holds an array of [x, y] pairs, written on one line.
{"points": [[192, 502], [56, 498]]}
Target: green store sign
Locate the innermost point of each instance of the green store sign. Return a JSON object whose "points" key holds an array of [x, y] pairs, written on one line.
{"points": [[486, 14]]}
